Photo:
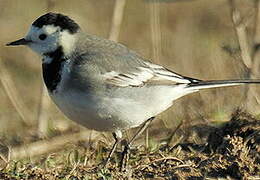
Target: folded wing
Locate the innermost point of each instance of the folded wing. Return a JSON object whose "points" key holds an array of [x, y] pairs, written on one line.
{"points": [[150, 73]]}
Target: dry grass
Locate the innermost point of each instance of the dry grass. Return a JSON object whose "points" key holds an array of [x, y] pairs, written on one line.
{"points": [[231, 150]]}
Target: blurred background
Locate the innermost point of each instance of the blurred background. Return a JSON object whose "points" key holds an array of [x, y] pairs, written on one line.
{"points": [[196, 38]]}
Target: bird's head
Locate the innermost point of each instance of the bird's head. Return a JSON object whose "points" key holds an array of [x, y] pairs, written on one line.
{"points": [[50, 32]]}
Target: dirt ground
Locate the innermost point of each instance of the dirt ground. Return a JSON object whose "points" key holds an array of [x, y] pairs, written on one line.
{"points": [[230, 151]]}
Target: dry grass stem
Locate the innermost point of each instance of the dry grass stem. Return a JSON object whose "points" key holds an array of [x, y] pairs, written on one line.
{"points": [[253, 96], [158, 160], [50, 145], [242, 37], [117, 19], [43, 114], [155, 26], [248, 53], [12, 94]]}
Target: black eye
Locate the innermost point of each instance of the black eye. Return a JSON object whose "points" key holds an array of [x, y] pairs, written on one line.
{"points": [[42, 36]]}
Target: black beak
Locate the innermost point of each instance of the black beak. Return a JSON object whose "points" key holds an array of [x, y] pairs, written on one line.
{"points": [[19, 42]]}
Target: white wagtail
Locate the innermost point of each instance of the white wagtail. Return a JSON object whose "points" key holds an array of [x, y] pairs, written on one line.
{"points": [[102, 84]]}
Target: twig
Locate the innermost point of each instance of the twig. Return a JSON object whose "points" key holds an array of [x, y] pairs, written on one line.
{"points": [[12, 94], [180, 166], [47, 146], [155, 30], [256, 14], [248, 52], [158, 160], [253, 96], [43, 117], [117, 19], [246, 49], [147, 138]]}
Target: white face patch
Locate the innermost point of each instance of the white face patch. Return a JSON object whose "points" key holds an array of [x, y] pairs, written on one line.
{"points": [[54, 38], [67, 41]]}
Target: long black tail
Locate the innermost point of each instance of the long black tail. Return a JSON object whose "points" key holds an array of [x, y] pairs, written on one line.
{"points": [[197, 85]]}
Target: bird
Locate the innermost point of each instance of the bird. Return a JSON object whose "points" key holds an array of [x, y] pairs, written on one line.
{"points": [[102, 84]]}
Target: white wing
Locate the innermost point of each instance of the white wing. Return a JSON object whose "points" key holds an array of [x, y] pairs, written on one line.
{"points": [[150, 73]]}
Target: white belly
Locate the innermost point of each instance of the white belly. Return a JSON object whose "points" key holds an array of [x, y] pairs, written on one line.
{"points": [[121, 109], [83, 110]]}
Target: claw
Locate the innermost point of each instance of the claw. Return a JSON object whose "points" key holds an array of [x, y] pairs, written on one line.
{"points": [[125, 158]]}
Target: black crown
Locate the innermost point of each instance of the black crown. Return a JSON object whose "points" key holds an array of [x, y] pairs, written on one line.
{"points": [[56, 19]]}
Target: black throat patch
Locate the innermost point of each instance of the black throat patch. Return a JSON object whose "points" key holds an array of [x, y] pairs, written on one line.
{"points": [[52, 71]]}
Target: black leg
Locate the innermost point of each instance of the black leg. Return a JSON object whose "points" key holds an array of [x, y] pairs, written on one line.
{"points": [[126, 152], [117, 136]]}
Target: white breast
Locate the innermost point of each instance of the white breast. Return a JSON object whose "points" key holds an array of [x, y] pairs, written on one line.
{"points": [[120, 109]]}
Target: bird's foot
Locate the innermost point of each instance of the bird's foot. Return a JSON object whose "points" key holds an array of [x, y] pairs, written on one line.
{"points": [[125, 158]]}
